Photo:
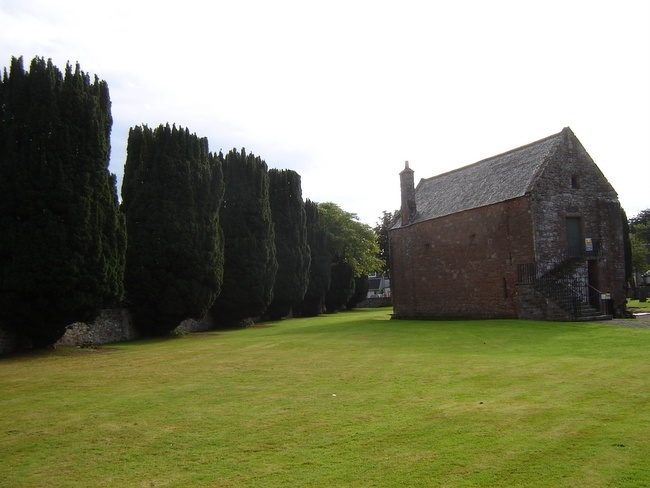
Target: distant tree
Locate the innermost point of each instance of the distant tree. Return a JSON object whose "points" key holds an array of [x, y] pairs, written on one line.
{"points": [[292, 250], [643, 217], [639, 232], [349, 240], [381, 233], [353, 249], [250, 256], [627, 251], [640, 254], [63, 238], [172, 191], [320, 270]]}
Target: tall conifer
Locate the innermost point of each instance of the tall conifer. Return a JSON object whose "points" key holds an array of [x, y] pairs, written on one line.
{"points": [[320, 270], [250, 256], [288, 212], [361, 288], [171, 194], [341, 287], [62, 250]]}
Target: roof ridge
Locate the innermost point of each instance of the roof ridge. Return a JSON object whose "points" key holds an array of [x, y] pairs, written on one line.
{"points": [[498, 178], [462, 168], [549, 155]]}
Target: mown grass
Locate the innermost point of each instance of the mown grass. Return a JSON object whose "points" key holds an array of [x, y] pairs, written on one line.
{"points": [[353, 399], [639, 306]]}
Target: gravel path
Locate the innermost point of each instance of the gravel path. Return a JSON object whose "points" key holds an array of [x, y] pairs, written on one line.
{"points": [[641, 320]]}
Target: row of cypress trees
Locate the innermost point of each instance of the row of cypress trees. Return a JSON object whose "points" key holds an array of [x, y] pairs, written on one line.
{"points": [[206, 232], [209, 232]]}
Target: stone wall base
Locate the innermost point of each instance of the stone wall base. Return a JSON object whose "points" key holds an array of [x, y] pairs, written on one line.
{"points": [[112, 325], [375, 303]]}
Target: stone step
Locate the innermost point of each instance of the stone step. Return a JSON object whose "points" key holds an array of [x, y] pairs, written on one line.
{"points": [[589, 313], [594, 318]]}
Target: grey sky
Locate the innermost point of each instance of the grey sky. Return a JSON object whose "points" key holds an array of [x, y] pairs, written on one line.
{"points": [[345, 91]]}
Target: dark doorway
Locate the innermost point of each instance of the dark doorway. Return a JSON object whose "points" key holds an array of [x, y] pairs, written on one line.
{"points": [[594, 292], [574, 236]]}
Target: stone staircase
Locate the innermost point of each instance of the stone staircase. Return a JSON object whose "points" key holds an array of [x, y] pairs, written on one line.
{"points": [[587, 313], [562, 285]]}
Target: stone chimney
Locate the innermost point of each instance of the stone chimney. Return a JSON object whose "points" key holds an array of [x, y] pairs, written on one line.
{"points": [[407, 186]]}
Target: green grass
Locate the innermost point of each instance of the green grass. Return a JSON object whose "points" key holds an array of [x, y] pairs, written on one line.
{"points": [[639, 306], [417, 403]]}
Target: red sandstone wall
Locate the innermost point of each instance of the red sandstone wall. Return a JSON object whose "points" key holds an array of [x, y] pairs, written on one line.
{"points": [[463, 265]]}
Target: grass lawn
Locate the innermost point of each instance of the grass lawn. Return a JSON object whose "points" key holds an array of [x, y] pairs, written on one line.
{"points": [[638, 306], [352, 399]]}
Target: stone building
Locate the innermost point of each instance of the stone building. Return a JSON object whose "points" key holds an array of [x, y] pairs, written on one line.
{"points": [[534, 233]]}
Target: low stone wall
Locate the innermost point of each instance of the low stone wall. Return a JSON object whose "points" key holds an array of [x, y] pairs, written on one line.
{"points": [[375, 303], [193, 325], [112, 325], [116, 325]]}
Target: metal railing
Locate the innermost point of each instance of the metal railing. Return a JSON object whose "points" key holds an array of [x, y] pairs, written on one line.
{"points": [[558, 279]]}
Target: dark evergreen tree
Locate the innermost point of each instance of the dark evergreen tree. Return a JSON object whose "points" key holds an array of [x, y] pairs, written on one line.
{"points": [[320, 270], [361, 287], [341, 287], [250, 257], [171, 194], [292, 250], [62, 249]]}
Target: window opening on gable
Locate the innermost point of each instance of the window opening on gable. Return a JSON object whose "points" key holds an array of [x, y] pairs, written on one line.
{"points": [[574, 182]]}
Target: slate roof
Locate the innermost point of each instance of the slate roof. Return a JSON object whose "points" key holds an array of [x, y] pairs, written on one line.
{"points": [[493, 180]]}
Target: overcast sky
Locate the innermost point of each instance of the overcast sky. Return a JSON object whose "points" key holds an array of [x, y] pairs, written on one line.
{"points": [[343, 92]]}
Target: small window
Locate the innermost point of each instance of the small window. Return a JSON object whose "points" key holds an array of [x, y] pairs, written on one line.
{"points": [[574, 182]]}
